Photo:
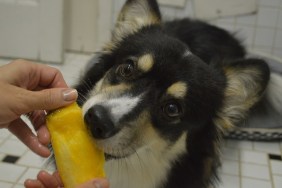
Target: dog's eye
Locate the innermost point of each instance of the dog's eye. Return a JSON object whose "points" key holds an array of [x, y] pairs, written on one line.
{"points": [[127, 69], [172, 110]]}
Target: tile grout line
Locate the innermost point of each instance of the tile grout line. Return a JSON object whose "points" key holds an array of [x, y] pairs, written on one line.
{"points": [[240, 170], [275, 32], [271, 174]]}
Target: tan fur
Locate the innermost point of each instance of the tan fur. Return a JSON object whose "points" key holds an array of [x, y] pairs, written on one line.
{"points": [[105, 87], [146, 62], [240, 96], [178, 90]]}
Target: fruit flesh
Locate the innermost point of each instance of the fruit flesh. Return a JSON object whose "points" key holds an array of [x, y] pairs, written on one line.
{"points": [[77, 157]]}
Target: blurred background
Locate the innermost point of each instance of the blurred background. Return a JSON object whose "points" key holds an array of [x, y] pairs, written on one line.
{"points": [[45, 29]]}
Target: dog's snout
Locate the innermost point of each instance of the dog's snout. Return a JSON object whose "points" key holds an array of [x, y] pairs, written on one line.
{"points": [[99, 122]]}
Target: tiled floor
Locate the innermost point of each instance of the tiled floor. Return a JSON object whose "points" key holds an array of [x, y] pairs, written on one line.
{"points": [[246, 164]]}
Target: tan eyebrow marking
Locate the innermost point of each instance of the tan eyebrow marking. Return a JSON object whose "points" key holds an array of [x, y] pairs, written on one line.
{"points": [[146, 62], [178, 89]]}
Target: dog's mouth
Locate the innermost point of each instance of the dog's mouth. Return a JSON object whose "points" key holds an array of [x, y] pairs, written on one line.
{"points": [[120, 154], [109, 157]]}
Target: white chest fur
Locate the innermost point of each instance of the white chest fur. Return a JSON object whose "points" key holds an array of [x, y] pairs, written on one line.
{"points": [[147, 168]]}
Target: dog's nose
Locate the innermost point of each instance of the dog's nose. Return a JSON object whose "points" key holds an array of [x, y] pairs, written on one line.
{"points": [[98, 121]]}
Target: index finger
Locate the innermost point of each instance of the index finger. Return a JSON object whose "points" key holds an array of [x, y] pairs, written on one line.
{"points": [[32, 76], [50, 77]]}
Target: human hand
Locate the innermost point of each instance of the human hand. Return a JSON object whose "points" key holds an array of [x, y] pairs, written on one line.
{"points": [[46, 180], [30, 88]]}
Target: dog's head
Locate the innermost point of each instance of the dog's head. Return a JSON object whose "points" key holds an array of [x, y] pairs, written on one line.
{"points": [[148, 89]]}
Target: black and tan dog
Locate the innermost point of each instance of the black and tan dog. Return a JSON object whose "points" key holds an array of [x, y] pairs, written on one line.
{"points": [[159, 95]]}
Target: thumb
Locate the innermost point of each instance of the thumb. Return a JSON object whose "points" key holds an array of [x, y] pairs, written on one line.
{"points": [[50, 99]]}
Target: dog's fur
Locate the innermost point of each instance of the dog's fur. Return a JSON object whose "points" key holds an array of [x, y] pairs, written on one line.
{"points": [[159, 95]]}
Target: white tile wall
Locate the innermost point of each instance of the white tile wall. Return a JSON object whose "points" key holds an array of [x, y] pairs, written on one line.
{"points": [[273, 148], [276, 167], [6, 185], [255, 171], [247, 183], [230, 167], [254, 157], [277, 181], [228, 181]]}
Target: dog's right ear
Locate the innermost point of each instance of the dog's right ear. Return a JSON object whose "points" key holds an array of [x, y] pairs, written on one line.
{"points": [[246, 83], [134, 15]]}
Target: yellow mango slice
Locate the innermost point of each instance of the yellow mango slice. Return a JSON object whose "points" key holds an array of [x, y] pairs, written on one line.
{"points": [[77, 157]]}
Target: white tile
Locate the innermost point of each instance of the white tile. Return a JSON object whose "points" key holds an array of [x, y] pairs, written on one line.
{"points": [[264, 37], [254, 157], [230, 167], [246, 34], [277, 180], [4, 133], [280, 20], [6, 185], [31, 173], [228, 181], [266, 50], [168, 13], [267, 16], [230, 153], [13, 147], [239, 144], [276, 167], [249, 20], [268, 147], [4, 61], [31, 160], [278, 53], [248, 183], [10, 173], [255, 171], [227, 26], [19, 186], [188, 11], [2, 155], [274, 3], [13, 137], [228, 20], [278, 39]]}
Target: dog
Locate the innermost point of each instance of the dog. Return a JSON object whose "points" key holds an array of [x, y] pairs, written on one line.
{"points": [[159, 96]]}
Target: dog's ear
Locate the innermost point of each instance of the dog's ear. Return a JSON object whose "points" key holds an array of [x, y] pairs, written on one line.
{"points": [[246, 82], [134, 15]]}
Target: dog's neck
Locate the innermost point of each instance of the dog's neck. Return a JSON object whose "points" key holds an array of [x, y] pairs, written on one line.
{"points": [[147, 168]]}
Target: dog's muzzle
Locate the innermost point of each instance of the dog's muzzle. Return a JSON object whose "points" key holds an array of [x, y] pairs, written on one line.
{"points": [[98, 120]]}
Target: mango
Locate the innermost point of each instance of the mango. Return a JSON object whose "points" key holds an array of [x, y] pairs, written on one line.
{"points": [[77, 157]]}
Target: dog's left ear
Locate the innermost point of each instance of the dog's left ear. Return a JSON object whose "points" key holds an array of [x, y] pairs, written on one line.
{"points": [[247, 80], [134, 15]]}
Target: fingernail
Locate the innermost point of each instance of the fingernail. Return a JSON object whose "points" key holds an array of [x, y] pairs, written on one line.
{"points": [[99, 183], [70, 94]]}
